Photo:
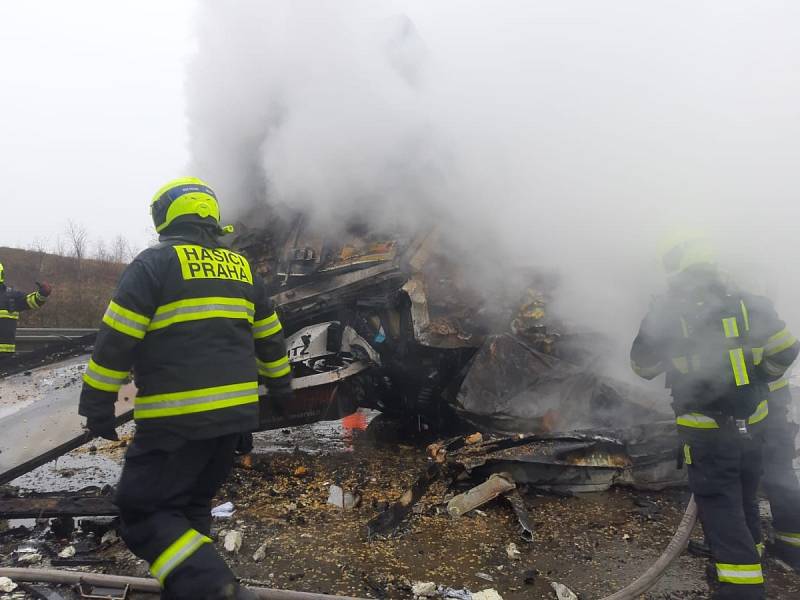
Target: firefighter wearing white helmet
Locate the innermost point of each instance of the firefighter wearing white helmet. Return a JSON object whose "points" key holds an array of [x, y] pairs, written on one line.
{"points": [[12, 302], [195, 324], [720, 348]]}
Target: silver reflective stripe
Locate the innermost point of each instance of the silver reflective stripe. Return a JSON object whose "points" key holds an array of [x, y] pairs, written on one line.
{"points": [[731, 327], [187, 310], [793, 539], [753, 575], [105, 378], [142, 407], [739, 367], [115, 316]]}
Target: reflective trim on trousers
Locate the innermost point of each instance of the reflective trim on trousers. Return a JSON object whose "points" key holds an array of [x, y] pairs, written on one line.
{"points": [[126, 321], [740, 574], [196, 309], [792, 539], [8, 347], [194, 401], [9, 314], [776, 385], [275, 368], [177, 553], [102, 378]]}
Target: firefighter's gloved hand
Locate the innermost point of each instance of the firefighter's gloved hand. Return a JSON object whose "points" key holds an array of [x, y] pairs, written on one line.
{"points": [[103, 428], [279, 399], [45, 289], [245, 444]]}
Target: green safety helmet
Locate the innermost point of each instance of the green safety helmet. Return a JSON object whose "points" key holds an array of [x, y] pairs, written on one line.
{"points": [[683, 249], [2, 274], [185, 197]]}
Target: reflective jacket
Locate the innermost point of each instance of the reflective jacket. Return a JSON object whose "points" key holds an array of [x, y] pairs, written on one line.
{"points": [[720, 349], [12, 303], [197, 327]]}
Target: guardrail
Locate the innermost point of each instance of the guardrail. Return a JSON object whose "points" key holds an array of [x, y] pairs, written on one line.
{"points": [[30, 338]]}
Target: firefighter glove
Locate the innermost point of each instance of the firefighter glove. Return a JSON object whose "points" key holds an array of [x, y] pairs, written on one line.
{"points": [[45, 289]]}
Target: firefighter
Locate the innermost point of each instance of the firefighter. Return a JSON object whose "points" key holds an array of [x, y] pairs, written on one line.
{"points": [[779, 479], [720, 347], [12, 302], [196, 326]]}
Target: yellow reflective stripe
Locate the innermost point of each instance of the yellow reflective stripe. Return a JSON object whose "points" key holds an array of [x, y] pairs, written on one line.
{"points": [[681, 363], [195, 401], [792, 539], [740, 574], [176, 553], [779, 342], [687, 454], [9, 314], [8, 347], [195, 309], [696, 421], [126, 321], [266, 327], [684, 328], [274, 369], [776, 385], [731, 327], [739, 367], [102, 378], [745, 315], [760, 549], [647, 372], [758, 355], [759, 414], [33, 300]]}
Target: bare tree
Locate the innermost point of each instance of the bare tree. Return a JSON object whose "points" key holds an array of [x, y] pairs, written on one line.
{"points": [[78, 239], [121, 251]]}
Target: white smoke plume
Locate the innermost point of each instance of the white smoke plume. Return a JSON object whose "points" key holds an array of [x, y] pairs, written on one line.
{"points": [[563, 135]]}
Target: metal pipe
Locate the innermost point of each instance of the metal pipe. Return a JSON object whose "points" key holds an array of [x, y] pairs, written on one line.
{"points": [[140, 584]]}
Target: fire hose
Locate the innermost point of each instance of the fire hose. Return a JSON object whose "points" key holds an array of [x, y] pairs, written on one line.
{"points": [[647, 580]]}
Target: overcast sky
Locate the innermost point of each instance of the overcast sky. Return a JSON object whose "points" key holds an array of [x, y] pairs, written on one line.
{"points": [[92, 118]]}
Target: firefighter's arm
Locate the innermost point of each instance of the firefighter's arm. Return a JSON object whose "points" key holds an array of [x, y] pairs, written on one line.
{"points": [[646, 352], [773, 345], [31, 300], [123, 326], [270, 344]]}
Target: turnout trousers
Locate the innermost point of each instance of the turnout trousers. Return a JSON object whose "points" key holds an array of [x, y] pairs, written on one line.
{"points": [[780, 480], [724, 470], [164, 497]]}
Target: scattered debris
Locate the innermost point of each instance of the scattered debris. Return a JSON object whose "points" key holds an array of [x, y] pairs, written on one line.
{"points": [[29, 558], [6, 585], [67, 552], [109, 537], [484, 576], [301, 471], [424, 589], [513, 552], [261, 553], [41, 592], [495, 485], [487, 594], [223, 511], [387, 521], [475, 438], [529, 576], [514, 498], [563, 592], [342, 499], [103, 592], [233, 541]]}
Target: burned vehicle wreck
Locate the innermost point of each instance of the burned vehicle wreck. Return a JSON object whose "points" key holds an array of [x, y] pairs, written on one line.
{"points": [[390, 322]]}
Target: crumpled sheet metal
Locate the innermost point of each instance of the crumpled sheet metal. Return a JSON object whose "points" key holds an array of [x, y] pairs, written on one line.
{"points": [[511, 387]]}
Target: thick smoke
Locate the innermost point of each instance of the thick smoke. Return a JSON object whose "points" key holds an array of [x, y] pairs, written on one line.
{"points": [[565, 136]]}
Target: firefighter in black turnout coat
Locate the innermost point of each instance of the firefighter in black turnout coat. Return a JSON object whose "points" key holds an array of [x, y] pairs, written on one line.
{"points": [[197, 328], [720, 348], [12, 302]]}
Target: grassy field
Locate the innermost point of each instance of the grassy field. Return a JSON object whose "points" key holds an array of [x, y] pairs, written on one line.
{"points": [[81, 287]]}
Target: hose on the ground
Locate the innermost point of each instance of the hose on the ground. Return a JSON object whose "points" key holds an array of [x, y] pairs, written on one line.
{"points": [[673, 550], [140, 584], [647, 580]]}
